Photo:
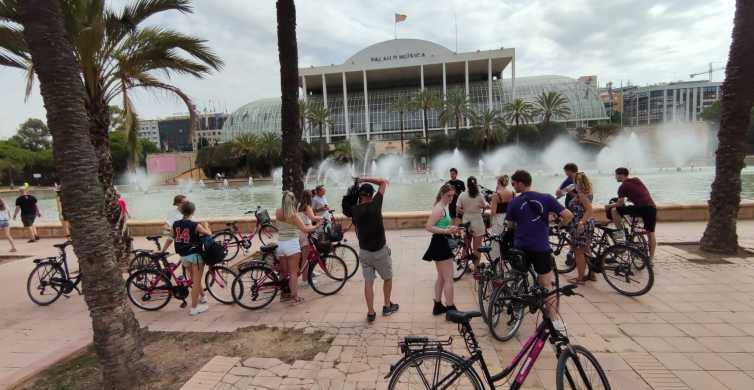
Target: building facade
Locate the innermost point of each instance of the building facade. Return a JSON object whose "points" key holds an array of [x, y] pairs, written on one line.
{"points": [[668, 102], [148, 130], [172, 133]]}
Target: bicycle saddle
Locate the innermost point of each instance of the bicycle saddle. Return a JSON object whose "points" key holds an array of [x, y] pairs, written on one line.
{"points": [[268, 248], [62, 245], [154, 238], [461, 317], [485, 249]]}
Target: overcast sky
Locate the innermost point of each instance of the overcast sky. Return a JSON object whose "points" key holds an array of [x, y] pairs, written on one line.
{"points": [[644, 41]]}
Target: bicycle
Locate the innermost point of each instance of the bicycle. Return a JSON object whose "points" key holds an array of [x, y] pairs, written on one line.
{"points": [[491, 273], [258, 282], [428, 364], [463, 251], [232, 239], [52, 278], [142, 258], [158, 283], [347, 253]]}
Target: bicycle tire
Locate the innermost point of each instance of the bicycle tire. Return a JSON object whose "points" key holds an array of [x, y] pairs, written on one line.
{"points": [[565, 262], [349, 256], [501, 303], [218, 281], [146, 288], [334, 274], [614, 270], [484, 293], [460, 262], [565, 378], [230, 243], [261, 278], [468, 378], [139, 262], [48, 271], [268, 234]]}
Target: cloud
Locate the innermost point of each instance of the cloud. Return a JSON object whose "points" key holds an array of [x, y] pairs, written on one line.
{"points": [[620, 40]]}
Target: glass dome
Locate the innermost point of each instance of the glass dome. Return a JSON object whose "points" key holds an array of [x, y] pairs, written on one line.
{"points": [[257, 117], [583, 99]]}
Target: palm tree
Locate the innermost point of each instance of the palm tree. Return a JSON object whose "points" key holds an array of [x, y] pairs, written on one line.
{"points": [[342, 152], [293, 174], [425, 101], [454, 109], [551, 105], [736, 104], [270, 146], [489, 123], [117, 54], [303, 113], [244, 147], [518, 112], [117, 338], [319, 116], [402, 104]]}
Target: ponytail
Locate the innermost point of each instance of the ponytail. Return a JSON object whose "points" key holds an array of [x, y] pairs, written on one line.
{"points": [[473, 187]]}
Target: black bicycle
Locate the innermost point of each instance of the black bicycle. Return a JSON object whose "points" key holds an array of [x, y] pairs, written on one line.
{"points": [[52, 278], [429, 364], [504, 314], [335, 233]]}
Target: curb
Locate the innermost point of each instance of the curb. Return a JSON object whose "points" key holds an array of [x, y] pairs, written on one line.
{"points": [[25, 374]]}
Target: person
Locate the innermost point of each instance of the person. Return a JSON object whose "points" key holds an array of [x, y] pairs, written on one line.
{"points": [[529, 212], [306, 214], [5, 224], [581, 228], [186, 233], [288, 250], [124, 216], [636, 192], [374, 254], [61, 212], [471, 205], [27, 205], [173, 215], [319, 202], [458, 187], [439, 224], [499, 204], [566, 187]]}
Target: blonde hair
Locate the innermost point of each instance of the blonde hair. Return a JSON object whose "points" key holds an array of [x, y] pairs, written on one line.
{"points": [[583, 185], [503, 180], [443, 190], [288, 204]]}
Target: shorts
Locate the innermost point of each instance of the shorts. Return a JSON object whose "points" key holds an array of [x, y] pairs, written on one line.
{"points": [[4, 224], [648, 214], [193, 258], [376, 262], [542, 261], [288, 248], [28, 219], [476, 226]]}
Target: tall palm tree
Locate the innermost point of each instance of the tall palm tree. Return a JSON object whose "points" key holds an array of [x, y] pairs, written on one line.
{"points": [[490, 125], [518, 112], [293, 174], [116, 55], [244, 147], [303, 113], [402, 104], [455, 108], [738, 96], [320, 116], [425, 101], [551, 105], [117, 338]]}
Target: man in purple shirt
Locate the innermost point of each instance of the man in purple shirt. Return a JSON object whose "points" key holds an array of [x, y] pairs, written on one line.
{"points": [[636, 192]]}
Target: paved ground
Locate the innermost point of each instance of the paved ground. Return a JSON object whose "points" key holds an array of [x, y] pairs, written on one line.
{"points": [[694, 330]]}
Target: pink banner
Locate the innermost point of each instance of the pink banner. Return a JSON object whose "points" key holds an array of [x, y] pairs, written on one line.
{"points": [[161, 164]]}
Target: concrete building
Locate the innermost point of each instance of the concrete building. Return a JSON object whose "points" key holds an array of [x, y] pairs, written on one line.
{"points": [[677, 101], [148, 130], [172, 133]]}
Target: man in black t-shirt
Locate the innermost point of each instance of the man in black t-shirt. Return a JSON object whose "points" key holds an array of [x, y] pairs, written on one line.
{"points": [[27, 205], [374, 254], [459, 187]]}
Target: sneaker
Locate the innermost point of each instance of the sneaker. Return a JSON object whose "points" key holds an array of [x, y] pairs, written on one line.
{"points": [[388, 310], [371, 317], [559, 325], [439, 309], [203, 299], [451, 307], [199, 309]]}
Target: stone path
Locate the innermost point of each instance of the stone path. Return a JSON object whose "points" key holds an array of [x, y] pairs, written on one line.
{"points": [[694, 330]]}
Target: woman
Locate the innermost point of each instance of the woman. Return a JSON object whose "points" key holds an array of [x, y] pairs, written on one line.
{"points": [[439, 250], [306, 214], [5, 224], [471, 204], [288, 251], [581, 227], [498, 206], [186, 234]]}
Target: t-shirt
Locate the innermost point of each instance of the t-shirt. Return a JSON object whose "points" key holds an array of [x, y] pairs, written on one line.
{"points": [[185, 236], [122, 206], [530, 212], [459, 187], [633, 189], [471, 206], [567, 182], [4, 216], [319, 202], [28, 204], [367, 217]]}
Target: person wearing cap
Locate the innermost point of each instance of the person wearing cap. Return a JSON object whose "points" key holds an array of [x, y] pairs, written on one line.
{"points": [[27, 205], [173, 216], [374, 254]]}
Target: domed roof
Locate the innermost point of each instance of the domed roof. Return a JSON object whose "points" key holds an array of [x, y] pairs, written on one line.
{"points": [[399, 47], [259, 116]]}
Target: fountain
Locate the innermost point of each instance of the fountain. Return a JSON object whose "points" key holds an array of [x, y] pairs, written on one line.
{"points": [[201, 183], [251, 181], [480, 166], [225, 184], [277, 176], [374, 168]]}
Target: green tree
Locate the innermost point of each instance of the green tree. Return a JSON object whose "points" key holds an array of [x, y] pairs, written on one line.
{"points": [[33, 134], [303, 114], [342, 152], [319, 116], [146, 147], [269, 151], [551, 105], [490, 126], [518, 112], [244, 148], [425, 101], [402, 104], [455, 109]]}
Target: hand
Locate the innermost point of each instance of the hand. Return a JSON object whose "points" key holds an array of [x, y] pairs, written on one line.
{"points": [[559, 193], [453, 229], [325, 207]]}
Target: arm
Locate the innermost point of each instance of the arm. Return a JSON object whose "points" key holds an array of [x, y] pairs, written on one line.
{"points": [[433, 218], [312, 217], [15, 213], [203, 230], [493, 202], [300, 225], [382, 183]]}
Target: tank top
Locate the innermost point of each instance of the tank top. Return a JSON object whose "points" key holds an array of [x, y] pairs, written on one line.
{"points": [[186, 237], [444, 221], [287, 231]]}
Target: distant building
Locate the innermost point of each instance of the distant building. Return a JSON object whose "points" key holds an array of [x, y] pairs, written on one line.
{"points": [[668, 102], [172, 133], [147, 129]]}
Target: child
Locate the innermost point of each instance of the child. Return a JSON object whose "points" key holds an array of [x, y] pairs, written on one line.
{"points": [[5, 224], [186, 235]]}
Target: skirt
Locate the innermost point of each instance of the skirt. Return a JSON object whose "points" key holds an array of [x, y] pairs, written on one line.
{"points": [[439, 249]]}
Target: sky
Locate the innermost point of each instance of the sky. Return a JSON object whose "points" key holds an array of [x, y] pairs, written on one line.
{"points": [[636, 41]]}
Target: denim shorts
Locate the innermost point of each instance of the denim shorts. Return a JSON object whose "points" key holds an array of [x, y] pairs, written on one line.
{"points": [[4, 224], [193, 258]]}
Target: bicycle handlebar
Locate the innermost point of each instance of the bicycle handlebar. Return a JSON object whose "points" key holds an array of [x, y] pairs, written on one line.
{"points": [[538, 298]]}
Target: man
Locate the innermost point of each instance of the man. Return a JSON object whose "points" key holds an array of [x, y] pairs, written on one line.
{"points": [[173, 216], [374, 253], [319, 202], [567, 187], [27, 205], [530, 213], [459, 187], [634, 190]]}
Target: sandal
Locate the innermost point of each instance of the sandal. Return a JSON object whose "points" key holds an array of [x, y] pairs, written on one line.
{"points": [[285, 297], [576, 281], [13, 250], [296, 300]]}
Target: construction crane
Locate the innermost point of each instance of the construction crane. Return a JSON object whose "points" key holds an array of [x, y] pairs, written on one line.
{"points": [[708, 71]]}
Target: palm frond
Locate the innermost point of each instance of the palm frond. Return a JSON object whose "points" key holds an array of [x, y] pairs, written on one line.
{"points": [[13, 49], [29, 81], [134, 14], [9, 11]]}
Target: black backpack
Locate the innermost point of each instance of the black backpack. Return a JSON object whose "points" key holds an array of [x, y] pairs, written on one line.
{"points": [[350, 199], [212, 252]]}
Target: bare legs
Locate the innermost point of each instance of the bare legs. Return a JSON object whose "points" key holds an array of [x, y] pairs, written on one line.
{"points": [[444, 282], [6, 231], [476, 242], [387, 288], [195, 273], [290, 266]]}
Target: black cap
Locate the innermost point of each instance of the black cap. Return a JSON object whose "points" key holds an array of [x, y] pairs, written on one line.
{"points": [[366, 189]]}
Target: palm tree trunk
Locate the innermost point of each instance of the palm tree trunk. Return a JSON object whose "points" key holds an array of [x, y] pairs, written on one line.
{"points": [[117, 338], [321, 143], [458, 129], [401, 119], [738, 96], [426, 138], [288, 56], [518, 132]]}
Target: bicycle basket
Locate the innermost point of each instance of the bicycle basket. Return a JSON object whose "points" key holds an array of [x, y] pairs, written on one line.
{"points": [[334, 233], [263, 217], [323, 246], [517, 259]]}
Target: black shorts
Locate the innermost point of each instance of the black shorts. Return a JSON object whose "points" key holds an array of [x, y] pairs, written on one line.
{"points": [[648, 214], [542, 261], [28, 219]]}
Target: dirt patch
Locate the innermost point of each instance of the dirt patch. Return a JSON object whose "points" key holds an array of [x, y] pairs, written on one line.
{"points": [[177, 356], [697, 256]]}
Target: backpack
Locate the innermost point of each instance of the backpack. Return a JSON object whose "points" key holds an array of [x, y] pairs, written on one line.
{"points": [[350, 199], [212, 252]]}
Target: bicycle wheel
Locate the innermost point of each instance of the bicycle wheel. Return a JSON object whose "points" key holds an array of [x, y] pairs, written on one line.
{"points": [[565, 261], [255, 287], [268, 234], [349, 256], [579, 369], [485, 291], [43, 285], [149, 289], [139, 262], [217, 281], [460, 262], [230, 244], [504, 317], [331, 275], [433, 369], [627, 270]]}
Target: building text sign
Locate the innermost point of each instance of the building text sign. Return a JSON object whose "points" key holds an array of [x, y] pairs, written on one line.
{"points": [[398, 57]]}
